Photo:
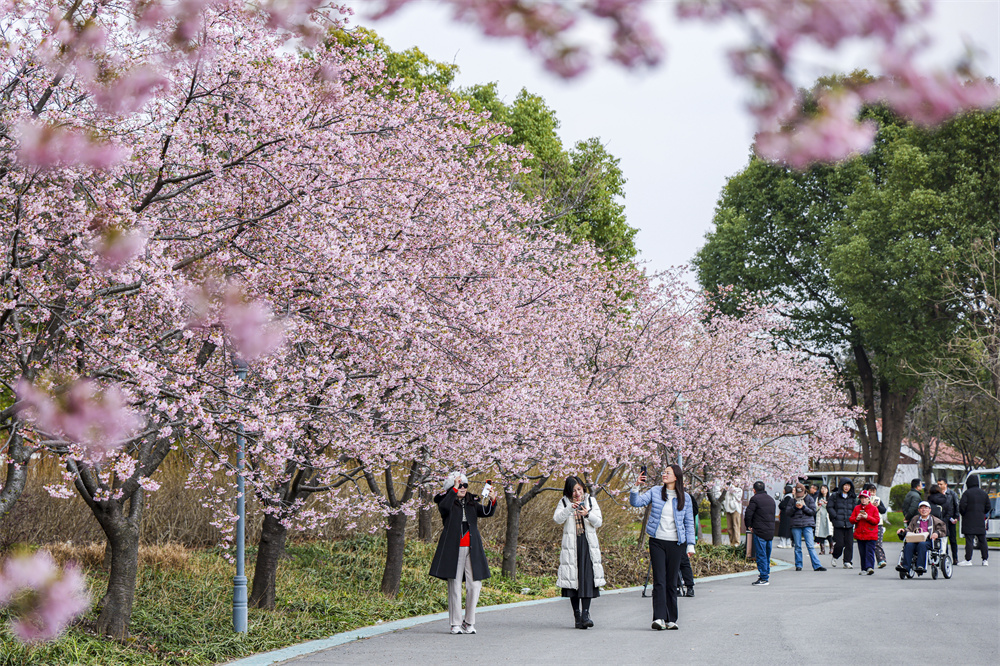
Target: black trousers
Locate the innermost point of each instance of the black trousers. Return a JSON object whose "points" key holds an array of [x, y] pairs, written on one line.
{"points": [[953, 541], [843, 542], [984, 550], [686, 576], [665, 561]]}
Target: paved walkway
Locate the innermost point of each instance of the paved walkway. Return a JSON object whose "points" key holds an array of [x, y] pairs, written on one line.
{"points": [[835, 616]]}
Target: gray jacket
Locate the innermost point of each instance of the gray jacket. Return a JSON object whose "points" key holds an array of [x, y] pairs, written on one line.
{"points": [[804, 517]]}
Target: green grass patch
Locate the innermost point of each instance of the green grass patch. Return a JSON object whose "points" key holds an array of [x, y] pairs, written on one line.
{"points": [[184, 616]]}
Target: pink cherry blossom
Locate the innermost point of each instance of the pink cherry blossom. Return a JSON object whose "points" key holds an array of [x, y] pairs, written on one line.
{"points": [[43, 599]]}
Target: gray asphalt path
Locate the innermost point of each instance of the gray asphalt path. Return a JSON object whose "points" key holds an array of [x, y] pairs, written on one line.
{"points": [[804, 616]]}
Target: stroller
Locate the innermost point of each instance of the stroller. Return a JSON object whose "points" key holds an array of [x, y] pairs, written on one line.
{"points": [[938, 559]]}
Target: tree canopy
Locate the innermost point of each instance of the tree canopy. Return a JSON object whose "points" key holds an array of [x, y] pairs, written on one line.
{"points": [[856, 255]]}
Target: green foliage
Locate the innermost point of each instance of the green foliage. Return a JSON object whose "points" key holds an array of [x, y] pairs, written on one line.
{"points": [[411, 69], [896, 495]]}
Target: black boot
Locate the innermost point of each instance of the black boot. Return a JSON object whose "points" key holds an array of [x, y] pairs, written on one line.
{"points": [[579, 620], [690, 591], [587, 622]]}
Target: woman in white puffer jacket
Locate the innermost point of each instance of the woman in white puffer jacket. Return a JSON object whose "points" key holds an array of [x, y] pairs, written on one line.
{"points": [[581, 573]]}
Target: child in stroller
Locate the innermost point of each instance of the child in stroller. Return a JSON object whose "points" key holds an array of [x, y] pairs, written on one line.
{"points": [[917, 555]]}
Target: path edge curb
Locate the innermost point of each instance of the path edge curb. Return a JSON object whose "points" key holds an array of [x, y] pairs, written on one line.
{"points": [[310, 647]]}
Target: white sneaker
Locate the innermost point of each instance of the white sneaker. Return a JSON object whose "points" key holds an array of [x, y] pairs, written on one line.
{"points": [[468, 628], [833, 563], [659, 624], [848, 565], [672, 625], [986, 563], [456, 630], [964, 563]]}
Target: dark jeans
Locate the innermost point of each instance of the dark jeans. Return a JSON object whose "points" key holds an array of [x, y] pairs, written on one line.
{"points": [[665, 560], [762, 551], [983, 548], [953, 541], [843, 542], [918, 548], [866, 553]]}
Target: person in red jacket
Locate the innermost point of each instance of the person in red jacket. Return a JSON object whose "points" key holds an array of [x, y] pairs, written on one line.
{"points": [[865, 520]]}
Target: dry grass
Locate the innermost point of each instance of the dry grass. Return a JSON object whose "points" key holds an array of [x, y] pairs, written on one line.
{"points": [[172, 556]]}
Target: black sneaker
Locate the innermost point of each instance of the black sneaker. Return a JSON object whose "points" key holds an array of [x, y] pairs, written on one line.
{"points": [[760, 581], [820, 569], [798, 568]]}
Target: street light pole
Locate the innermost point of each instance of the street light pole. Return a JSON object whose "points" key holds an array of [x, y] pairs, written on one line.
{"points": [[240, 580]]}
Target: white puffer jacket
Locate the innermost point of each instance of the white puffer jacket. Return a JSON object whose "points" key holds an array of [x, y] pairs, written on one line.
{"points": [[568, 578]]}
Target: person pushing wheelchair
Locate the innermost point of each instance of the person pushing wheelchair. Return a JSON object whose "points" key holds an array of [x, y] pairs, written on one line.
{"points": [[922, 523]]}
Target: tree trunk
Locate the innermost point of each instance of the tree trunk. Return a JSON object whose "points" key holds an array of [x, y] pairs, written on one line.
{"points": [[123, 536], [425, 515], [395, 536], [508, 566], [270, 550], [894, 408], [17, 473], [716, 511]]}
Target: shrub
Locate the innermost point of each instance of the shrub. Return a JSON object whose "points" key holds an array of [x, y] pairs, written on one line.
{"points": [[896, 495]]}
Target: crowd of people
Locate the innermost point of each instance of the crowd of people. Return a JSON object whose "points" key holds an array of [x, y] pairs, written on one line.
{"points": [[805, 517]]}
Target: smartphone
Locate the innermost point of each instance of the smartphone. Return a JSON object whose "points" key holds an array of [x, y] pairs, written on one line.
{"points": [[642, 470]]}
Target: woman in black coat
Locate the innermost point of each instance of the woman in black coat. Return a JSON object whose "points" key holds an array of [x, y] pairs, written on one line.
{"points": [[785, 522], [975, 507], [460, 553]]}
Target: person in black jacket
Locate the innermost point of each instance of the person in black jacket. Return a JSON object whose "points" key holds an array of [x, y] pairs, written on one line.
{"points": [[950, 511], [840, 506], [784, 524], [459, 554], [974, 507], [912, 499], [759, 521]]}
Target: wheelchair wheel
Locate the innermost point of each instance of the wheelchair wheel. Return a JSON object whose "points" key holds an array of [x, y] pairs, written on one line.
{"points": [[946, 569], [934, 572]]}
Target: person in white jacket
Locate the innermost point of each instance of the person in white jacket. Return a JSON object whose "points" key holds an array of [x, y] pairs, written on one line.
{"points": [[732, 505], [581, 573]]}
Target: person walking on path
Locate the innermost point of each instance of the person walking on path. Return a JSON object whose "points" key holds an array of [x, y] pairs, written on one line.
{"points": [[784, 523], [922, 523], [824, 530], [840, 506], [949, 510], [883, 516], [801, 513], [865, 519], [459, 554], [759, 520], [581, 573], [671, 532], [732, 505], [974, 508], [912, 500]]}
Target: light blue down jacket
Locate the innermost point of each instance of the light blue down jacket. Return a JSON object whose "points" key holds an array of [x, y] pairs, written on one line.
{"points": [[684, 520]]}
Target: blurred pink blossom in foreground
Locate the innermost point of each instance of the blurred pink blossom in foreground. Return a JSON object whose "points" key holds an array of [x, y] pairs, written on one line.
{"points": [[97, 419], [43, 600], [249, 324], [830, 136], [44, 145]]}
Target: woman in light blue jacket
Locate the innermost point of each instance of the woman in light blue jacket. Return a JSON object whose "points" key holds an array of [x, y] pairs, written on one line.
{"points": [[671, 533]]}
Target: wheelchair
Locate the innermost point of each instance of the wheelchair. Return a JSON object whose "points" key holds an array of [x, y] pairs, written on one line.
{"points": [[938, 560]]}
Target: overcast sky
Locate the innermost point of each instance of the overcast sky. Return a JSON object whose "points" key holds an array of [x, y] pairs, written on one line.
{"points": [[679, 130]]}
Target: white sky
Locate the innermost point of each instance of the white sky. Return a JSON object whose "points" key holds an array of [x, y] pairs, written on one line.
{"points": [[679, 130]]}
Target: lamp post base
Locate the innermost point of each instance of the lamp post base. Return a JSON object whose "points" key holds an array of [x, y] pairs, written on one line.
{"points": [[240, 604]]}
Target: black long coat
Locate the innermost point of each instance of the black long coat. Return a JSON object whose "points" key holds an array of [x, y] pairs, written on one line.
{"points": [[785, 520], [445, 562], [974, 507]]}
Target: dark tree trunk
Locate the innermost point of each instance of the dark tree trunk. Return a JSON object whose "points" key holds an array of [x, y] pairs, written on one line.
{"points": [[716, 512], [508, 566], [395, 536], [270, 550], [894, 408], [425, 515], [123, 537], [17, 473]]}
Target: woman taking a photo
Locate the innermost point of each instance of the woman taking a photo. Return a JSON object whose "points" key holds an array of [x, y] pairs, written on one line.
{"points": [[581, 574], [460, 549], [671, 532]]}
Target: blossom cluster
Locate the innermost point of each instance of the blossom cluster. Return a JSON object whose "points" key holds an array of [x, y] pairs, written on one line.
{"points": [[41, 598]]}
